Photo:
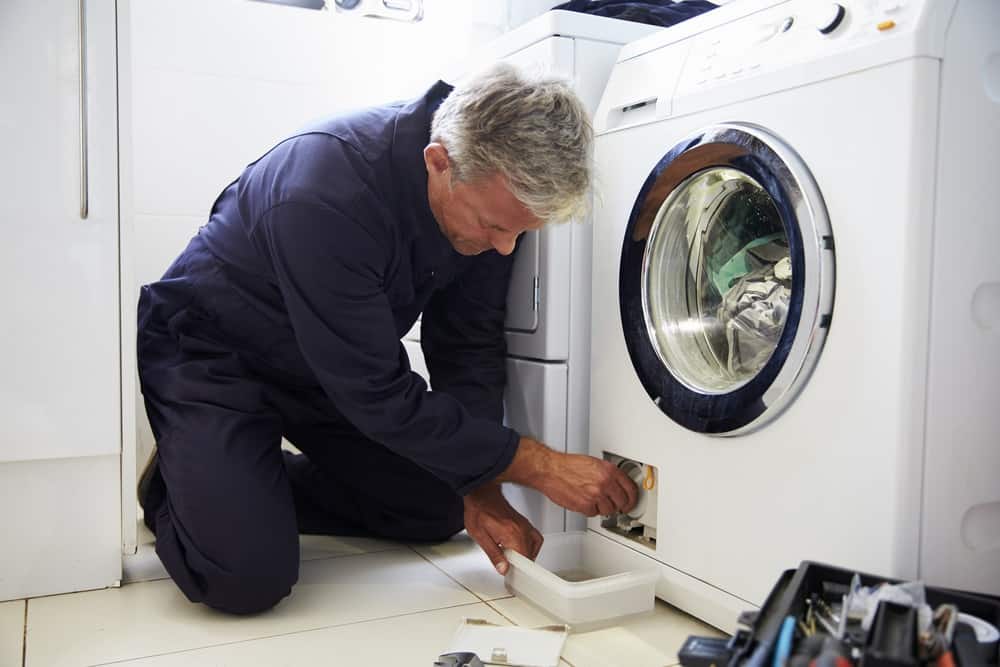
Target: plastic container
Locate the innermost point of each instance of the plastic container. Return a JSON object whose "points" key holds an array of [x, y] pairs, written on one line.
{"points": [[577, 579]]}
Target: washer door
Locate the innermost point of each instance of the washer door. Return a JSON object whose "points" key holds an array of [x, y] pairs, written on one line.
{"points": [[726, 283]]}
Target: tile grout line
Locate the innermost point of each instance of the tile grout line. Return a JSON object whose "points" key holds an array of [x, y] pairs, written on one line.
{"points": [[439, 569], [400, 547], [518, 625], [282, 634], [502, 614], [24, 636], [484, 601]]}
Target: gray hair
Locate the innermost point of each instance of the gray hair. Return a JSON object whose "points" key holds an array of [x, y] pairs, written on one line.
{"points": [[532, 130]]}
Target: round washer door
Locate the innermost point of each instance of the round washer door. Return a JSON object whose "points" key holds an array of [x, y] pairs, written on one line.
{"points": [[726, 281]]}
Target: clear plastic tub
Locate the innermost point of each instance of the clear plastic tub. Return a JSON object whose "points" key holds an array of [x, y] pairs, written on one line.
{"points": [[577, 579]]}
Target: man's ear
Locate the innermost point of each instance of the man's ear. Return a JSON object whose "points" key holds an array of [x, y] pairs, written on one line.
{"points": [[436, 159]]}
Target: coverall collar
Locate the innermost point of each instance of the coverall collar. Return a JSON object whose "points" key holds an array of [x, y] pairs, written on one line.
{"points": [[410, 135]]}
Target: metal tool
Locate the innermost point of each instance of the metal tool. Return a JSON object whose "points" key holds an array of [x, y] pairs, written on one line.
{"points": [[822, 613], [458, 660]]}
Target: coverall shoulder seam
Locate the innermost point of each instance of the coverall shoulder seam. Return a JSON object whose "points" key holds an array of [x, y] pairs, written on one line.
{"points": [[324, 207], [341, 140]]}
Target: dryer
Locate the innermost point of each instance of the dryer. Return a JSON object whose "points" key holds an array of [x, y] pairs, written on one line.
{"points": [[796, 300], [548, 303]]}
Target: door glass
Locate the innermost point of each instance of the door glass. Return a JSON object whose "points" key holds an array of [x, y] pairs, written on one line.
{"points": [[716, 280]]}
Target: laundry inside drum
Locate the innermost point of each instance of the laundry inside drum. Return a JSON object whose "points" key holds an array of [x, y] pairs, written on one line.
{"points": [[717, 280]]}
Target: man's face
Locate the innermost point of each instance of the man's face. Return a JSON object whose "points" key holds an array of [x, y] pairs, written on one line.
{"points": [[478, 216]]}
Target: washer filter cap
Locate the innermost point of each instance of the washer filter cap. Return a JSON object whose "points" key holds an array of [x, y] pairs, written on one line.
{"points": [[637, 473]]}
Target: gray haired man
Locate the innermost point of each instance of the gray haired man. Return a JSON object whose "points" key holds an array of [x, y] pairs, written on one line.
{"points": [[283, 318]]}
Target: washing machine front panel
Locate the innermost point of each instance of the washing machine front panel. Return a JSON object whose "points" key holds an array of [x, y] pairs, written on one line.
{"points": [[714, 277], [835, 477]]}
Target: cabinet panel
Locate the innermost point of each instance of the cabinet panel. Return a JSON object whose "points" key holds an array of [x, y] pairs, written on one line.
{"points": [[538, 299], [69, 537], [535, 406], [60, 393], [60, 372]]}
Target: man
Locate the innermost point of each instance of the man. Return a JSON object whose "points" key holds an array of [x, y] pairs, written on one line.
{"points": [[282, 318]]}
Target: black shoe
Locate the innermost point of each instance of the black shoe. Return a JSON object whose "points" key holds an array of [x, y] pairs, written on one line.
{"points": [[151, 490]]}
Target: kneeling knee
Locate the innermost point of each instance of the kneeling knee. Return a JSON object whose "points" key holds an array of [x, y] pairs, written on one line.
{"points": [[249, 594]]}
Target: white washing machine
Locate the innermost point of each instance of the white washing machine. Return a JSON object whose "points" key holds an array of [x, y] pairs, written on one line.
{"points": [[548, 303], [796, 295]]}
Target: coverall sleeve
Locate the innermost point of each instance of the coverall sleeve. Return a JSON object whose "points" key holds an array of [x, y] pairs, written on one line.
{"points": [[329, 269], [462, 336]]}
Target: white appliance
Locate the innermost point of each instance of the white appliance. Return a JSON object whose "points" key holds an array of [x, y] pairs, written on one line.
{"points": [[796, 297], [548, 304]]}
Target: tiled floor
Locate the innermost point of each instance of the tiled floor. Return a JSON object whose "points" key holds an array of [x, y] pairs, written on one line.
{"points": [[357, 602]]}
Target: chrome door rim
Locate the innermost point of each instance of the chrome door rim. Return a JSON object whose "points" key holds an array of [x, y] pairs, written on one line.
{"points": [[785, 178]]}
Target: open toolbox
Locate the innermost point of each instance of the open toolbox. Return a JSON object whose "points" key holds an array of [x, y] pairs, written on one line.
{"points": [[803, 624]]}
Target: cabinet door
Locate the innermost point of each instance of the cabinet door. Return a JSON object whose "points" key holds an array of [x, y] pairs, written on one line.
{"points": [[535, 406], [60, 386], [60, 395]]}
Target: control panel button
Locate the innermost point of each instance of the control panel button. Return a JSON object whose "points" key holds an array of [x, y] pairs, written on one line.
{"points": [[830, 17], [764, 33]]}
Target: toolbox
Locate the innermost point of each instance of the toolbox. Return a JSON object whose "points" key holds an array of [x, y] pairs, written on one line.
{"points": [[803, 624]]}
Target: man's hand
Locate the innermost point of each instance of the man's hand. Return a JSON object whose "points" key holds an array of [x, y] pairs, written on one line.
{"points": [[496, 526], [577, 482]]}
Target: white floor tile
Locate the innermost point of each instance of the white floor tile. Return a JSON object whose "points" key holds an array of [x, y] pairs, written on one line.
{"points": [[462, 558], [145, 565], [415, 640], [140, 620], [650, 640], [12, 632], [327, 546]]}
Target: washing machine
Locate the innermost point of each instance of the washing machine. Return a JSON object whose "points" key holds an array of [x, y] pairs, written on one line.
{"points": [[796, 296], [548, 302]]}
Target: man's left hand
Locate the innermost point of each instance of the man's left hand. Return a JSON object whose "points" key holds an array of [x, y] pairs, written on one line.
{"points": [[496, 526]]}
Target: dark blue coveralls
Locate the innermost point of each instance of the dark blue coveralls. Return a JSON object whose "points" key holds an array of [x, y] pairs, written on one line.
{"points": [[283, 317]]}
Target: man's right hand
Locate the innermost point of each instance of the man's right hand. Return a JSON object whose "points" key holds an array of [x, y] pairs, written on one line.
{"points": [[577, 482]]}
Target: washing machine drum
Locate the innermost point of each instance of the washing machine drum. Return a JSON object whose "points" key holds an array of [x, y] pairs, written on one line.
{"points": [[726, 281]]}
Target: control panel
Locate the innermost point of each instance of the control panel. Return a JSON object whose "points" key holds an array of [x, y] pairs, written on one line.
{"points": [[793, 33]]}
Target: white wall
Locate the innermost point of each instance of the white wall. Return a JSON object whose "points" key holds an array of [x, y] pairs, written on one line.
{"points": [[215, 84]]}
